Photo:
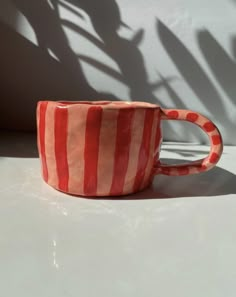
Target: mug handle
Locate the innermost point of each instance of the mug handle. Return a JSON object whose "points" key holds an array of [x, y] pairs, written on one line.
{"points": [[195, 166]]}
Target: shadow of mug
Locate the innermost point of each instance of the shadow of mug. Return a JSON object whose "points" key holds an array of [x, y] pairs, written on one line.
{"points": [[215, 182]]}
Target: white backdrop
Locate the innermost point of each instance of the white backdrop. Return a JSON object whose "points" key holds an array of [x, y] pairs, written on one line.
{"points": [[178, 53]]}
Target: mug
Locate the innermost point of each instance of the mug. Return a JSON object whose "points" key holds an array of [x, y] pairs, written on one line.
{"points": [[111, 148]]}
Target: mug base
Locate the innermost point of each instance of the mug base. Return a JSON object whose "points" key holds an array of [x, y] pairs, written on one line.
{"points": [[97, 196]]}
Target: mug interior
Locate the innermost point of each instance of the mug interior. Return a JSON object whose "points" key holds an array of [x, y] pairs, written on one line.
{"points": [[111, 104]]}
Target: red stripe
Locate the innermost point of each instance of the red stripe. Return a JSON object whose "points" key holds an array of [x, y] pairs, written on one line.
{"points": [[91, 149], [61, 125], [42, 117], [123, 140], [156, 152], [158, 139], [144, 149]]}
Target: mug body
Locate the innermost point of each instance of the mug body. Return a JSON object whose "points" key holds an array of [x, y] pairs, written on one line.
{"points": [[98, 148]]}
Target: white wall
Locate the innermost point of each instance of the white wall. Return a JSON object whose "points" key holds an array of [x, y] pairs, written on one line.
{"points": [[178, 53]]}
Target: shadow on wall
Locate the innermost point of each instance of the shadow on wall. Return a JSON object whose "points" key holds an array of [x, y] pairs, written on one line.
{"points": [[16, 144], [125, 53], [221, 65], [29, 73]]}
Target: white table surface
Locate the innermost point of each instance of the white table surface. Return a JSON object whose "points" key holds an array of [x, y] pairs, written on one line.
{"points": [[176, 239]]}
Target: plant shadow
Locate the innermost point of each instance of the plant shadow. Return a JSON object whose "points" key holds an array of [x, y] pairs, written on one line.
{"points": [[221, 65], [51, 70], [30, 73]]}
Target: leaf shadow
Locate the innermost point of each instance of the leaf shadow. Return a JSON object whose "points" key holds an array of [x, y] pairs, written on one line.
{"points": [[192, 72], [61, 77], [221, 64]]}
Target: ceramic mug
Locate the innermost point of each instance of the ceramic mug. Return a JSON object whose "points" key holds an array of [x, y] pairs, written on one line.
{"points": [[107, 148]]}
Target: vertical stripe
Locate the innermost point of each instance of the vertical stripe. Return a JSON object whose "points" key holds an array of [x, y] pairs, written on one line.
{"points": [[158, 142], [107, 146], [50, 145], [42, 115], [144, 149], [77, 116], [150, 164], [123, 140], [158, 139], [91, 149], [61, 121], [136, 140]]}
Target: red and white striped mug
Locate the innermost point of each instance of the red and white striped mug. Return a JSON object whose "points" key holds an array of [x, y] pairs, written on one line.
{"points": [[104, 148]]}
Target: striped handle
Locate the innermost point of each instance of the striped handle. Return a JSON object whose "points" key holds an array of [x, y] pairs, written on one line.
{"points": [[199, 165]]}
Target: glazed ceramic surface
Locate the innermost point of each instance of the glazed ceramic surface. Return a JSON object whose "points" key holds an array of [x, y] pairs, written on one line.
{"points": [[108, 148]]}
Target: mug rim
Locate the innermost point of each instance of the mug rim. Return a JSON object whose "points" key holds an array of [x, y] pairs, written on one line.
{"points": [[105, 104]]}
